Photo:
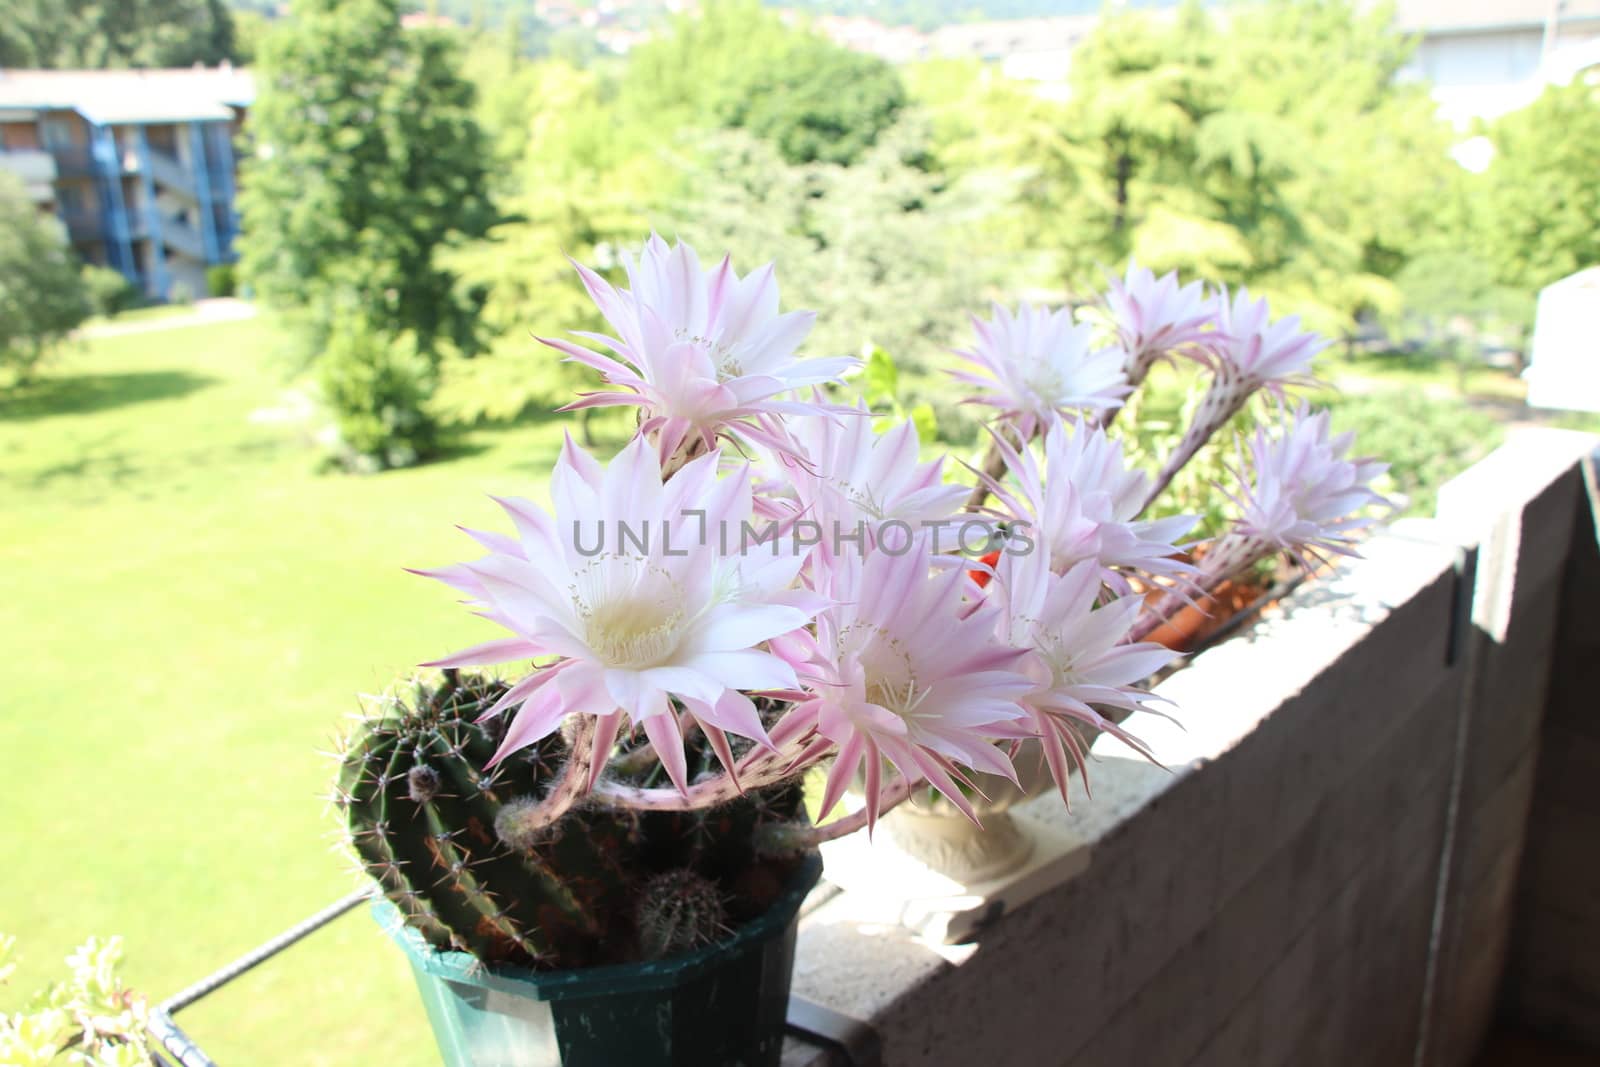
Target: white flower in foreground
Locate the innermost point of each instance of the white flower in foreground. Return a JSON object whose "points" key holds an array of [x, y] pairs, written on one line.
{"points": [[641, 591], [1156, 318], [1038, 364], [907, 672], [1084, 505], [1078, 659], [1305, 493], [703, 353], [855, 483]]}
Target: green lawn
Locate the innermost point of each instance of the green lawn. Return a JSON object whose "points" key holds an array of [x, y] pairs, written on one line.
{"points": [[189, 612]]}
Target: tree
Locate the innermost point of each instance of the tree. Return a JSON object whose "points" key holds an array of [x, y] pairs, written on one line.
{"points": [[42, 296], [581, 186], [369, 163], [1277, 152], [738, 65], [96, 34], [1542, 203], [884, 248]]}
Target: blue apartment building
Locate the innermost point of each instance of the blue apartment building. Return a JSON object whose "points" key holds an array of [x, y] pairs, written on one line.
{"points": [[138, 164]]}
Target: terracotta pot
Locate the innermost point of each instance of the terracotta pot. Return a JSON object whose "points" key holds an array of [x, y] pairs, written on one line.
{"points": [[1190, 626]]}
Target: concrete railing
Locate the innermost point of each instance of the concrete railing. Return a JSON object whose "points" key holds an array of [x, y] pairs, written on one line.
{"points": [[1338, 865], [36, 169], [170, 172], [183, 238]]}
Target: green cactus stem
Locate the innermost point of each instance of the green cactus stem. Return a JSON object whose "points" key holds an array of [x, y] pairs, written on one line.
{"points": [[517, 863]]}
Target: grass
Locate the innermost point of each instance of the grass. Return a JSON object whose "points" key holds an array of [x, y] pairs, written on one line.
{"points": [[153, 313], [190, 611]]}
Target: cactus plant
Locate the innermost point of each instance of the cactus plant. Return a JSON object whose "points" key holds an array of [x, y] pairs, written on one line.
{"points": [[450, 844], [679, 910]]}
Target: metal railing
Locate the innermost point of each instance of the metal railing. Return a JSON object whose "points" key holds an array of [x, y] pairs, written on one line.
{"points": [[174, 1042], [849, 1042]]}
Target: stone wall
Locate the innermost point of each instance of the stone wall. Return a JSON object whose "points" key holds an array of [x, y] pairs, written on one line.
{"points": [[1553, 975], [1327, 870]]}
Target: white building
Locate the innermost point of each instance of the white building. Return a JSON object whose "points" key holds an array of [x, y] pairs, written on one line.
{"points": [[1488, 57], [1565, 369]]}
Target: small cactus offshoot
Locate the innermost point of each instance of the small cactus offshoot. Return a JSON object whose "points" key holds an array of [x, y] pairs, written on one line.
{"points": [[679, 911], [458, 848]]}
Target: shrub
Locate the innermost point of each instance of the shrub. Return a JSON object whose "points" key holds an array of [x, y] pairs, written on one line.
{"points": [[1425, 440], [220, 280], [379, 388], [42, 298], [110, 292], [89, 1018], [180, 294]]}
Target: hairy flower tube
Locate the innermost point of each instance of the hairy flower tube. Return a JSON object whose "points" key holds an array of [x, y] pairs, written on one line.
{"points": [[1250, 353]]}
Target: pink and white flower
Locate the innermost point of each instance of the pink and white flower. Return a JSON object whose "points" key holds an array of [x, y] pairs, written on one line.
{"points": [[1257, 353], [906, 671], [1077, 657], [1038, 364], [703, 353], [1305, 494], [1084, 503], [855, 483], [1156, 318], [643, 595]]}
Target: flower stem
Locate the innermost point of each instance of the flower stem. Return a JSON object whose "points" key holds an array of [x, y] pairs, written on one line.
{"points": [[1224, 400], [756, 771], [573, 781], [794, 838]]}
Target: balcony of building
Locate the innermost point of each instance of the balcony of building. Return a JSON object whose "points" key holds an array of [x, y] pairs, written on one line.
{"points": [[35, 168], [170, 172], [73, 159]]}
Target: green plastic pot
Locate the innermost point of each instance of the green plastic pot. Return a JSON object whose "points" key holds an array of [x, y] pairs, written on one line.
{"points": [[722, 1006]]}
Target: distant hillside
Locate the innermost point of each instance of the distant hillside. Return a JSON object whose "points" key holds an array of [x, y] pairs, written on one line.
{"points": [[928, 14], [924, 14]]}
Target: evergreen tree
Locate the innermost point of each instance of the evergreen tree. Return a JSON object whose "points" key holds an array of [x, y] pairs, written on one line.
{"points": [[97, 34], [1542, 197], [1273, 149], [368, 163], [737, 65]]}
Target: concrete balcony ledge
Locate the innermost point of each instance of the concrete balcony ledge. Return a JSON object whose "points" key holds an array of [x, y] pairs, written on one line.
{"points": [[1327, 871], [35, 168]]}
